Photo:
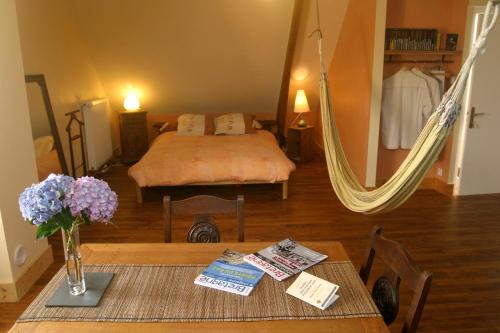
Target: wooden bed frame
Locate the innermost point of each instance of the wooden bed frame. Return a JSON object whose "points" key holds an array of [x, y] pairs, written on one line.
{"points": [[284, 184], [268, 125]]}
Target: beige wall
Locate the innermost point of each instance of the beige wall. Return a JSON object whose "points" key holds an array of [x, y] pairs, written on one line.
{"points": [[16, 147], [188, 56], [305, 66], [40, 125], [51, 45], [5, 269], [198, 56]]}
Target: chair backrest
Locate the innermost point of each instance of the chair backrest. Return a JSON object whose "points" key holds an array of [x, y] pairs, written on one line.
{"points": [[398, 266], [203, 207]]}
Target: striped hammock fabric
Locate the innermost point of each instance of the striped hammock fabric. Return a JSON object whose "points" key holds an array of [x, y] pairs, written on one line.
{"points": [[422, 155]]}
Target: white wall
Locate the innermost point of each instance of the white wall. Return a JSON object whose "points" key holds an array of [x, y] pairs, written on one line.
{"points": [[17, 169], [457, 132]]}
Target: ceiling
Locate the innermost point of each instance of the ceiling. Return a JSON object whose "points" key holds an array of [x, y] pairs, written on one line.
{"points": [[188, 56]]}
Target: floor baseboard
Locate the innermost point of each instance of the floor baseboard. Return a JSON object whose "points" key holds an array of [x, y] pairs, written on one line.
{"points": [[429, 184], [437, 185], [13, 292]]}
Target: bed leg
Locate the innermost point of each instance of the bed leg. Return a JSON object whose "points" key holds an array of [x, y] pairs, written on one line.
{"points": [[285, 190], [138, 192]]}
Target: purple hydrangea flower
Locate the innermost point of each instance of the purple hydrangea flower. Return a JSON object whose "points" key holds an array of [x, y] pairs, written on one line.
{"points": [[40, 202], [93, 198]]}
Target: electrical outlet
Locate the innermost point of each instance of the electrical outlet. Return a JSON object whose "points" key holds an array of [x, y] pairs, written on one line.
{"points": [[440, 172], [20, 255]]}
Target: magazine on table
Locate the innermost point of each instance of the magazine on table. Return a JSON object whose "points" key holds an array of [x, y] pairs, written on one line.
{"points": [[230, 273], [284, 259]]}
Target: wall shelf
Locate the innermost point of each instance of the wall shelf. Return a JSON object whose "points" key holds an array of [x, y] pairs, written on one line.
{"points": [[396, 56]]}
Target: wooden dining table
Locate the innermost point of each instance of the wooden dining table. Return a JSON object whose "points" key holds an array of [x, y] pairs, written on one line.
{"points": [[184, 253]]}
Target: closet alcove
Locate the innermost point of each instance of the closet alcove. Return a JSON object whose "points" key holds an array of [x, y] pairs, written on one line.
{"points": [[447, 17]]}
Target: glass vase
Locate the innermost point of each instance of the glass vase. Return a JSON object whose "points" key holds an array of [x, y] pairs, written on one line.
{"points": [[74, 266]]}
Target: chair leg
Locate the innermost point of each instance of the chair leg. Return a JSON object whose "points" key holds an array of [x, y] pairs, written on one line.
{"points": [[366, 268], [240, 201], [167, 220], [285, 190], [138, 192]]}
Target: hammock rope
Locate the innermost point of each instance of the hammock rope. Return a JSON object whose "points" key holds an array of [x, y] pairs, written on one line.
{"points": [[424, 152]]}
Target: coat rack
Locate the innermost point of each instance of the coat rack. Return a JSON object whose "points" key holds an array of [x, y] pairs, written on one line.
{"points": [[71, 138]]}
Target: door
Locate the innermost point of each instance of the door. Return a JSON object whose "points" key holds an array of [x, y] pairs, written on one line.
{"points": [[478, 167]]}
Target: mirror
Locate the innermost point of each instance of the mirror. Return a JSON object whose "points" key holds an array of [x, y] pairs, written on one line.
{"points": [[48, 148]]}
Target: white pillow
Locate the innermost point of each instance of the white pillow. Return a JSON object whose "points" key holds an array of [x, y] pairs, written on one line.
{"points": [[231, 124], [191, 125], [257, 125]]}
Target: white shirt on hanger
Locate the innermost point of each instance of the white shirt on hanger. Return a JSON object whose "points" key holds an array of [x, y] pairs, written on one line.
{"points": [[432, 85], [406, 102], [440, 76]]}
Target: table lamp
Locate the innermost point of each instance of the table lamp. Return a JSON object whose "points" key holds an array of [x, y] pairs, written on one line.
{"points": [[301, 107], [131, 102]]}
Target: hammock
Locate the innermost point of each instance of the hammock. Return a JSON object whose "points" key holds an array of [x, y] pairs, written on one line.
{"points": [[422, 155]]}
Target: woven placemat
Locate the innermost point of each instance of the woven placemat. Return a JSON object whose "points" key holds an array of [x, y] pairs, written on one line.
{"points": [[166, 293]]}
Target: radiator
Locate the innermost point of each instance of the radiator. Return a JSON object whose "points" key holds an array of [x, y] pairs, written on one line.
{"points": [[98, 145]]}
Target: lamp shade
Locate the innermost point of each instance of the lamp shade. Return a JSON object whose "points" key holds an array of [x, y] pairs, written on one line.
{"points": [[131, 102], [301, 104]]}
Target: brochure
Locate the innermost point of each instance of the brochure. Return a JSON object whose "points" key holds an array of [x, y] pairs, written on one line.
{"points": [[284, 259], [313, 290], [230, 273]]}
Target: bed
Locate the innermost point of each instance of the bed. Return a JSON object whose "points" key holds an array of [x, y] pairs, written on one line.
{"points": [[174, 160]]}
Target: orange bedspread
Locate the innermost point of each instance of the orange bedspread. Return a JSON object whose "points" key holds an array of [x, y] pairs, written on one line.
{"points": [[181, 160]]}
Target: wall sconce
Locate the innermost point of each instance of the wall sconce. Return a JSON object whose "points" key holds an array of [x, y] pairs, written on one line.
{"points": [[300, 74], [301, 107], [131, 102]]}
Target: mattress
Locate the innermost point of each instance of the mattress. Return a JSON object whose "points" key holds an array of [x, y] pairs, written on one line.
{"points": [[182, 160]]}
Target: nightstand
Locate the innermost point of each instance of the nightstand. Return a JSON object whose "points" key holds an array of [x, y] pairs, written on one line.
{"points": [[300, 143], [134, 135]]}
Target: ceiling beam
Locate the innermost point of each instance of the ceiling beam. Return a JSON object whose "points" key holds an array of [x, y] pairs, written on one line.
{"points": [[285, 81]]}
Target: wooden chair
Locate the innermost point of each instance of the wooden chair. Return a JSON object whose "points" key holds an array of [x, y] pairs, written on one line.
{"points": [[203, 207], [398, 266]]}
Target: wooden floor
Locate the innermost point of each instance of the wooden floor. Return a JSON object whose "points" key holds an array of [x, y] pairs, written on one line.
{"points": [[458, 239]]}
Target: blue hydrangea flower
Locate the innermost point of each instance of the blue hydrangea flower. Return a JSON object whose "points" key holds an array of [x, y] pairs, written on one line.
{"points": [[93, 198], [40, 202]]}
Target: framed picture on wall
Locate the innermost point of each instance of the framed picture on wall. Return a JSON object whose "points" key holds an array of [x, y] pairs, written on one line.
{"points": [[451, 42]]}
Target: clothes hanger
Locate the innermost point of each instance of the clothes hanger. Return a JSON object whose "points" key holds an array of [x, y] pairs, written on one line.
{"points": [[427, 72]]}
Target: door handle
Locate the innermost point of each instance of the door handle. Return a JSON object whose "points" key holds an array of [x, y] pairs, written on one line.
{"points": [[473, 115]]}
